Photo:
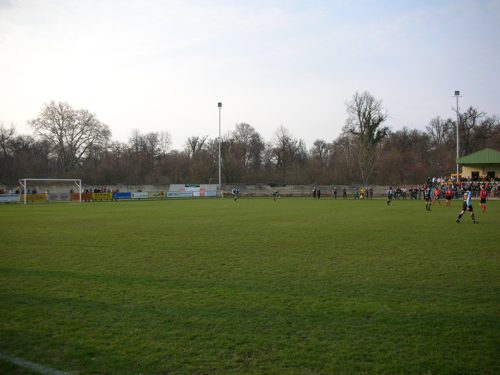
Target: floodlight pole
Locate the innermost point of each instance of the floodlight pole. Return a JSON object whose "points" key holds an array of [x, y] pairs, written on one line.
{"points": [[220, 186], [457, 95]]}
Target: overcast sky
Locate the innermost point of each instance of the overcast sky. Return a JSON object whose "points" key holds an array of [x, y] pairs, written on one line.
{"points": [[164, 65]]}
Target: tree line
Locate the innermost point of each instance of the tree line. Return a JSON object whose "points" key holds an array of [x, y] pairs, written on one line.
{"points": [[71, 143]]}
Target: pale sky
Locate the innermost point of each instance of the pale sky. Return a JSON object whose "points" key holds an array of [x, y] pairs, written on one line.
{"points": [[164, 65]]}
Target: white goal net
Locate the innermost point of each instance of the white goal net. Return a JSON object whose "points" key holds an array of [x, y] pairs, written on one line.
{"points": [[35, 190]]}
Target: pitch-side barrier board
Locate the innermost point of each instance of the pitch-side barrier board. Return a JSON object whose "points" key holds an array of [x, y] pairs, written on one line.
{"points": [[144, 195], [10, 198], [87, 197], [100, 197]]}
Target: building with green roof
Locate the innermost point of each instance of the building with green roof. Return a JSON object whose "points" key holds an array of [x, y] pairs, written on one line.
{"points": [[481, 164]]}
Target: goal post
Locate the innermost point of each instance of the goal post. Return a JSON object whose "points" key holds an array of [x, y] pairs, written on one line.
{"points": [[24, 182]]}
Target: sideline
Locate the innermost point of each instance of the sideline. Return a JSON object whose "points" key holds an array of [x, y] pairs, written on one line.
{"points": [[32, 366]]}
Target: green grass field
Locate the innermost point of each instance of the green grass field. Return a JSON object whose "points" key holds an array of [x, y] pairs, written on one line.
{"points": [[298, 286]]}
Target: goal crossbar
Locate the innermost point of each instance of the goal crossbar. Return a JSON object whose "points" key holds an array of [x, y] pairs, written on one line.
{"points": [[24, 184]]}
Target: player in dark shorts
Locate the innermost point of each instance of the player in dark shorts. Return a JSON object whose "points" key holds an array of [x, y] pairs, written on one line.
{"points": [[437, 193], [390, 195], [449, 196], [276, 195], [236, 193], [483, 194], [428, 198], [467, 206]]}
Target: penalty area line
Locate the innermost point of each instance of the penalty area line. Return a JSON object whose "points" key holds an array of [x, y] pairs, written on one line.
{"points": [[31, 365]]}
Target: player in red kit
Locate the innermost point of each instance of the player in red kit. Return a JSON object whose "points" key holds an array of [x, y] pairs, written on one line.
{"points": [[449, 196], [437, 192], [483, 194]]}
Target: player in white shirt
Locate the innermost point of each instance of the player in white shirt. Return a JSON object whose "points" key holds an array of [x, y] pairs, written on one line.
{"points": [[467, 206], [390, 195]]}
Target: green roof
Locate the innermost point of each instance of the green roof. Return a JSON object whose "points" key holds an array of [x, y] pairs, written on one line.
{"points": [[485, 156]]}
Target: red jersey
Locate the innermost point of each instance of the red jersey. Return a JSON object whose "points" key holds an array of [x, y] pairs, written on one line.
{"points": [[483, 194], [449, 193]]}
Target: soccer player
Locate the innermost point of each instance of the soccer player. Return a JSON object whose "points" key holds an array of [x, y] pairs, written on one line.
{"points": [[448, 195], [467, 206], [390, 195], [483, 194], [437, 192], [428, 198], [276, 195], [236, 193]]}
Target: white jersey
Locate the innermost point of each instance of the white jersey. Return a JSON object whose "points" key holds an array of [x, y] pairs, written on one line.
{"points": [[469, 199]]}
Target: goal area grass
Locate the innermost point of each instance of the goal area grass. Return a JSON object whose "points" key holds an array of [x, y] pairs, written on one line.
{"points": [[296, 286]]}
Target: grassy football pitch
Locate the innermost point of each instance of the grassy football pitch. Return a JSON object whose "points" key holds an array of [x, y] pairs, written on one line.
{"points": [[298, 286]]}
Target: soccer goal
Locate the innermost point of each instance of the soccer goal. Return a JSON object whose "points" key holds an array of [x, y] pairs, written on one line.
{"points": [[51, 189]]}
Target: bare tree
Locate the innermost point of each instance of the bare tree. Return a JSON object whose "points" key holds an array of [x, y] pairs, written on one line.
{"points": [[282, 144], [487, 134], [71, 133], [242, 136], [194, 146], [6, 151], [27, 156], [256, 152], [136, 142], [344, 151], [243, 152], [165, 142], [288, 152], [404, 155], [366, 116], [320, 151], [152, 144], [6, 135], [440, 131], [469, 120]]}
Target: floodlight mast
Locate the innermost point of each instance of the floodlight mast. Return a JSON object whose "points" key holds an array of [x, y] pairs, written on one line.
{"points": [[457, 95], [220, 179]]}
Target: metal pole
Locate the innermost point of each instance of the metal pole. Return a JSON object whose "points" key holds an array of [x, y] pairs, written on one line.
{"points": [[220, 179], [457, 95]]}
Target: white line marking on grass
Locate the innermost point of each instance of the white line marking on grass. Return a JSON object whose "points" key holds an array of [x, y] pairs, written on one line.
{"points": [[32, 366]]}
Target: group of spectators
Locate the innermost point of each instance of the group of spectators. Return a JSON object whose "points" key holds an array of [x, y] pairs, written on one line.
{"points": [[443, 184], [17, 191], [358, 193], [316, 193], [100, 189], [363, 193], [492, 186]]}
